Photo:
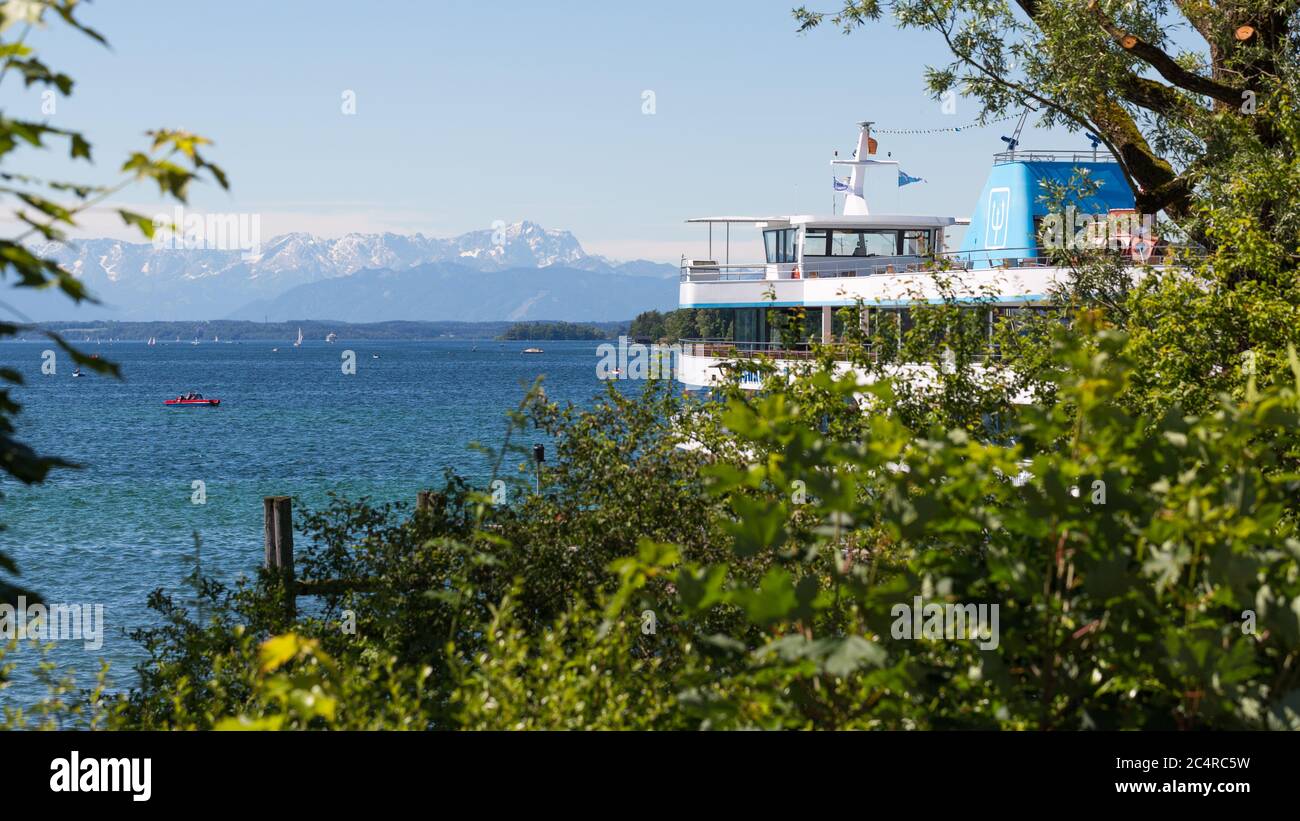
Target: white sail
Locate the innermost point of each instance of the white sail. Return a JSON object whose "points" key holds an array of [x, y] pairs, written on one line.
{"points": [[299, 342]]}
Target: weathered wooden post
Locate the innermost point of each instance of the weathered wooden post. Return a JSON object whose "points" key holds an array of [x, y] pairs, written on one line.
{"points": [[278, 527], [539, 456]]}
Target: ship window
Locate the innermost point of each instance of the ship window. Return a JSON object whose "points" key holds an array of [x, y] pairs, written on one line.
{"points": [[780, 245], [814, 242], [916, 243], [749, 322], [864, 243]]}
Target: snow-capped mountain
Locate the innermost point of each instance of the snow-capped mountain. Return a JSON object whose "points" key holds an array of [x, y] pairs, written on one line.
{"points": [[522, 245], [139, 281]]}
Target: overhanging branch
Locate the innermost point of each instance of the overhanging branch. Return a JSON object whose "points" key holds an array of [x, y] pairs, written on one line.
{"points": [[1165, 65]]}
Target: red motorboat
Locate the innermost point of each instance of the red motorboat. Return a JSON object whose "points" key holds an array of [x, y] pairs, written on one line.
{"points": [[192, 398]]}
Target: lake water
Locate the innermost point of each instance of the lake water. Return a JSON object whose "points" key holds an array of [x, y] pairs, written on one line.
{"points": [[290, 423]]}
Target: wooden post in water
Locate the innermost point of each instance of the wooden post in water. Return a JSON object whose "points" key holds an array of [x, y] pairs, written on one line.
{"points": [[424, 500], [278, 528]]}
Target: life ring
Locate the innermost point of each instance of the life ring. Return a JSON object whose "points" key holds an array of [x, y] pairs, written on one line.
{"points": [[1141, 249]]}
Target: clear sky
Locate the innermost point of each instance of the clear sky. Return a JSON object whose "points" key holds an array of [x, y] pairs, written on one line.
{"points": [[470, 112]]}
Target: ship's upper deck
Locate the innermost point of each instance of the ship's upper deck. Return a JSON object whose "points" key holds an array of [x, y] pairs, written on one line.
{"points": [[1004, 233]]}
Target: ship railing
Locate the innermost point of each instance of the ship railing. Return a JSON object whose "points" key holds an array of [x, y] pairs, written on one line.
{"points": [[1086, 155], [729, 349], [704, 270], [732, 349], [818, 268], [1159, 254]]}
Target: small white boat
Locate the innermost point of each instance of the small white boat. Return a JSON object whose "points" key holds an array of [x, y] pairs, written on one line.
{"points": [[331, 337], [298, 344], [534, 350]]}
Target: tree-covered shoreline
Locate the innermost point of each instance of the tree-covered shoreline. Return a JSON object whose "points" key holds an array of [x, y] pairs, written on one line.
{"points": [[562, 331]]}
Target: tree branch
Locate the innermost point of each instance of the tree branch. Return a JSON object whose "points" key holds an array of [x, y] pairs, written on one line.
{"points": [[1159, 98], [1167, 66], [1158, 186]]}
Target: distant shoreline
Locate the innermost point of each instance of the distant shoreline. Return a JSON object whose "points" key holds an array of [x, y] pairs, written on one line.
{"points": [[243, 330]]}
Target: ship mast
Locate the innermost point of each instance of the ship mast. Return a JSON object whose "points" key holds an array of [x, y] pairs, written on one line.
{"points": [[855, 201]]}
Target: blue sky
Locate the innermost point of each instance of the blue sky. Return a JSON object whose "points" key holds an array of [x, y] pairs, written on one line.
{"points": [[467, 113]]}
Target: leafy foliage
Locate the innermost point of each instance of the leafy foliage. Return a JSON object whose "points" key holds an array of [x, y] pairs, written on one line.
{"points": [[684, 323], [753, 581], [172, 161]]}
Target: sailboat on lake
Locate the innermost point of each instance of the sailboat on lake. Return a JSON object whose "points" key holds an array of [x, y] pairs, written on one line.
{"points": [[298, 344]]}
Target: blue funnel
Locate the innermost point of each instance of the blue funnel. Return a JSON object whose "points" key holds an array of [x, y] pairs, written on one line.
{"points": [[1002, 227]]}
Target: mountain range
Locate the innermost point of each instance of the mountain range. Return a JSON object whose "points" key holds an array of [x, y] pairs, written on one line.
{"points": [[509, 272]]}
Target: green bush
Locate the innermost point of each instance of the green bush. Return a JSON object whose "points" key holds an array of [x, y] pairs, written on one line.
{"points": [[1146, 571]]}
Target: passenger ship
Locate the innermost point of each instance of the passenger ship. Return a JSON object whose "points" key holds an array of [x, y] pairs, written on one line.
{"points": [[888, 261]]}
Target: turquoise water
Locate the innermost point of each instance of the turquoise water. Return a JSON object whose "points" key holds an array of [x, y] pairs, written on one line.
{"points": [[290, 423]]}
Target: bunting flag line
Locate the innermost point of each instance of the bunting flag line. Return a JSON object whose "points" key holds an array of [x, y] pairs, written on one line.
{"points": [[941, 130]]}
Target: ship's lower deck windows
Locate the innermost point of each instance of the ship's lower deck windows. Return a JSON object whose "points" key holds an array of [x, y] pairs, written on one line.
{"points": [[795, 329]]}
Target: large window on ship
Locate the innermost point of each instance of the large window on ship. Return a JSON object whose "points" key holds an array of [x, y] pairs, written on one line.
{"points": [[751, 324], [814, 242], [780, 245], [845, 243], [916, 243]]}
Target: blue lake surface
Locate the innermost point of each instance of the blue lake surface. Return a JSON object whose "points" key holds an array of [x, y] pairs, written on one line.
{"points": [[290, 423]]}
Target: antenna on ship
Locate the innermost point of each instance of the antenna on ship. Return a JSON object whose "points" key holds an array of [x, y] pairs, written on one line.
{"points": [[1014, 139]]}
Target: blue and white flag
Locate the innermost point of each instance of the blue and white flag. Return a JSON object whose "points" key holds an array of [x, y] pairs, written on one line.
{"points": [[839, 184], [904, 179]]}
